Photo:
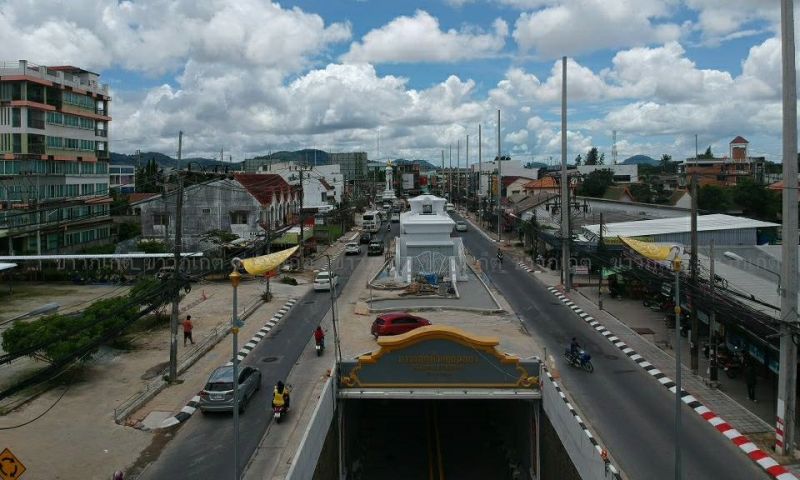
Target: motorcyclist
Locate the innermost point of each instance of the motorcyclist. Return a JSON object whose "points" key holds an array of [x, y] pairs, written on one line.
{"points": [[280, 396], [388, 227], [574, 347], [500, 255], [319, 337]]}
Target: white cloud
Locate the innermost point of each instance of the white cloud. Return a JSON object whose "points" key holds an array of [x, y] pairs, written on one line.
{"points": [[579, 26], [420, 39], [519, 137], [158, 36], [720, 20]]}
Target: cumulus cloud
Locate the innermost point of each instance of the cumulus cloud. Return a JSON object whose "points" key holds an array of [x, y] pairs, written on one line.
{"points": [[579, 26], [719, 20], [420, 39], [519, 137], [156, 36]]}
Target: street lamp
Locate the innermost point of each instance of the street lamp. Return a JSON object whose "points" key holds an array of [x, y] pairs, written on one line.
{"points": [[676, 267], [235, 324], [737, 258]]}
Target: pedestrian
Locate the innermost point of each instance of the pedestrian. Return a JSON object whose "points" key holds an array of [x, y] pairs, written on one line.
{"points": [[750, 379], [187, 330]]}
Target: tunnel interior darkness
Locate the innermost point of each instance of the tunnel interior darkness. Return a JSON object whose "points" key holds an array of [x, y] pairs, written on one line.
{"points": [[438, 439]]}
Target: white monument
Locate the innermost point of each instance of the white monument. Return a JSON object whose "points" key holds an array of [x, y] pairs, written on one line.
{"points": [[388, 191], [425, 246]]}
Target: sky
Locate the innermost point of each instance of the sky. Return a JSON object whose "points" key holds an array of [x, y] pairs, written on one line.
{"points": [[410, 79]]}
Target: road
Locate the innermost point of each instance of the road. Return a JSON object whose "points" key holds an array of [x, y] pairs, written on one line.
{"points": [[203, 446], [632, 413]]}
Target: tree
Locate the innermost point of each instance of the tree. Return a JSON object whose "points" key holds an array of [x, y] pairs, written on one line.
{"points": [[592, 156], [602, 159], [757, 201], [641, 192], [708, 155], [714, 198], [596, 183], [578, 160], [149, 178], [665, 161]]}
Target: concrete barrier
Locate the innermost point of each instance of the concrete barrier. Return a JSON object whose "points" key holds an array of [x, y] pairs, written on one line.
{"points": [[586, 453], [305, 459]]}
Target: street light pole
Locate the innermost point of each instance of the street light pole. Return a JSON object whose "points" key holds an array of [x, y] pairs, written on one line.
{"points": [[676, 267], [235, 278]]}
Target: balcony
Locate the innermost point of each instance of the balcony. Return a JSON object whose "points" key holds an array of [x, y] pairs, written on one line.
{"points": [[36, 149], [34, 123], [101, 154], [100, 133]]}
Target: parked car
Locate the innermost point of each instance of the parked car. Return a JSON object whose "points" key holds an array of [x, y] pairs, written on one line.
{"points": [[352, 248], [323, 281], [217, 394], [395, 323], [461, 226], [375, 247], [366, 237]]}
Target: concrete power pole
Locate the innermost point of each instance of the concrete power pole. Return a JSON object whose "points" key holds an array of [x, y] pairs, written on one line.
{"points": [[480, 174], [450, 178], [787, 381], [499, 180], [466, 167], [173, 320], [565, 233], [695, 326], [442, 186]]}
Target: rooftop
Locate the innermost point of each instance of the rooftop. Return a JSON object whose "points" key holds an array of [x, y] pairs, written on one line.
{"points": [[661, 226]]}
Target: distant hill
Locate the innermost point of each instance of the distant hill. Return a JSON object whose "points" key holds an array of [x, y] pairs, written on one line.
{"points": [[164, 161], [308, 156], [640, 160]]}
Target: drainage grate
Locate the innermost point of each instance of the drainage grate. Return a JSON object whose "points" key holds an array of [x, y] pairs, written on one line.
{"points": [[643, 331], [611, 357], [269, 359]]}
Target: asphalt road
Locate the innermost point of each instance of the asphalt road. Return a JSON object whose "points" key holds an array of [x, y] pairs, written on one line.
{"points": [[203, 446], [632, 413]]}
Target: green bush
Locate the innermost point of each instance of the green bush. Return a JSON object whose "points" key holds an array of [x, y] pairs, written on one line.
{"points": [[289, 280], [152, 246], [128, 230]]}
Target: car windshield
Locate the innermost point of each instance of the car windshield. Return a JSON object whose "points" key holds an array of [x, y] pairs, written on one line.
{"points": [[221, 380], [322, 276]]}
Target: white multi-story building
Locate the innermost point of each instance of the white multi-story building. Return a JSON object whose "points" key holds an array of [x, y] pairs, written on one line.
{"points": [[510, 168], [322, 184], [53, 159]]}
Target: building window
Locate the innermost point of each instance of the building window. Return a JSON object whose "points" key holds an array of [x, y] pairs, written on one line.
{"points": [[239, 217], [427, 209], [160, 219], [206, 211], [16, 117]]}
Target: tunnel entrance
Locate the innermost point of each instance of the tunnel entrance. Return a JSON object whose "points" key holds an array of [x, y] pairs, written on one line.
{"points": [[439, 403]]}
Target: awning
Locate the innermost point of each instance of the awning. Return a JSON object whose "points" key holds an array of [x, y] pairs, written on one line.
{"points": [[266, 263], [654, 251], [7, 266]]}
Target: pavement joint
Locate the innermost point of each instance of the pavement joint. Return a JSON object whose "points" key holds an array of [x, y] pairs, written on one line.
{"points": [[600, 450], [745, 444], [190, 408]]}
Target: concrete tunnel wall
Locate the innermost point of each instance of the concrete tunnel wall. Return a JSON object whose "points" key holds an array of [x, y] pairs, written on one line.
{"points": [[305, 459]]}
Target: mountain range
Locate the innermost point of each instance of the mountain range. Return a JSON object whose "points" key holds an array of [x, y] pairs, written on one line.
{"points": [[640, 160]]}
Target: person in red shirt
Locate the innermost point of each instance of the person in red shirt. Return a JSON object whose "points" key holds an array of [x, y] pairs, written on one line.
{"points": [[187, 330], [319, 336]]}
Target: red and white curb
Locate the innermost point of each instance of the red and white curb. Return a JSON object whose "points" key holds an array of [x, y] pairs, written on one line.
{"points": [[756, 454], [600, 450], [191, 407]]}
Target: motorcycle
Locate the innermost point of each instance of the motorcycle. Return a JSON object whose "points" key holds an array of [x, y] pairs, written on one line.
{"points": [[320, 346], [732, 363], [581, 360], [280, 410], [500, 258]]}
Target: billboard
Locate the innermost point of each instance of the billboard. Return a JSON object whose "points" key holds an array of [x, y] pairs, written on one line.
{"points": [[408, 181]]}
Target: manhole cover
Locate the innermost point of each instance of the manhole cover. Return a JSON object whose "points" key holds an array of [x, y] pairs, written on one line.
{"points": [[643, 331], [611, 357], [625, 371], [269, 359], [309, 302]]}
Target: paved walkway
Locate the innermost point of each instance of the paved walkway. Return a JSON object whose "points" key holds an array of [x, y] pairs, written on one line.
{"points": [[473, 296]]}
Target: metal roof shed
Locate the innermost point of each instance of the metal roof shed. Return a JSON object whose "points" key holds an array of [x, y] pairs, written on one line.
{"points": [[723, 229]]}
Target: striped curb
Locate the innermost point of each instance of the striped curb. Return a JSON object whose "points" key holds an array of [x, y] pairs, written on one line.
{"points": [[600, 450], [248, 347], [526, 268], [757, 455]]}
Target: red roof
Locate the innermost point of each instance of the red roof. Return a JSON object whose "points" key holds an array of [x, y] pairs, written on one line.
{"points": [[138, 197], [739, 139], [263, 186], [542, 183]]}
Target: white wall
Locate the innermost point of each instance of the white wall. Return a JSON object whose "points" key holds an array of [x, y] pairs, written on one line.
{"points": [[312, 187], [511, 168]]}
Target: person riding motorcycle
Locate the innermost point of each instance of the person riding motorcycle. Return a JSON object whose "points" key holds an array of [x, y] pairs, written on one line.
{"points": [[500, 255], [319, 337], [574, 347], [280, 396], [388, 227]]}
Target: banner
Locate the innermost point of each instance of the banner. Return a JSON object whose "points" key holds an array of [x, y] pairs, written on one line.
{"points": [[265, 263], [653, 251]]}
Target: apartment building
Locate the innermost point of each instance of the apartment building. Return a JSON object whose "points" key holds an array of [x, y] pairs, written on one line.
{"points": [[54, 157], [122, 178]]}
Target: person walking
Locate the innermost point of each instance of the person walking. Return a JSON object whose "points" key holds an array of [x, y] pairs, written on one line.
{"points": [[187, 330], [750, 379]]}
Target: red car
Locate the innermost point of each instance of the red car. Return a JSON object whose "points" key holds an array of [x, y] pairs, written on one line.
{"points": [[395, 323]]}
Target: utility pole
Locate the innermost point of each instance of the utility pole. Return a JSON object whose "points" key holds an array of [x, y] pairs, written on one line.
{"points": [[450, 177], [712, 367], [499, 180], [442, 187], [600, 281], [480, 174], [565, 231], [693, 357], [173, 320], [302, 219], [466, 167], [458, 169], [787, 381]]}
